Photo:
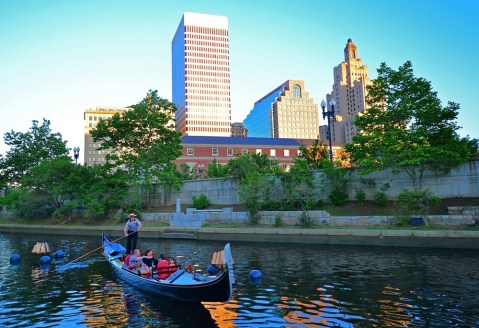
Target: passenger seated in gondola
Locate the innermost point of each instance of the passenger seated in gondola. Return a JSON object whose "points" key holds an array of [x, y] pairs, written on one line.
{"points": [[162, 267], [130, 260], [165, 267], [173, 266], [148, 259]]}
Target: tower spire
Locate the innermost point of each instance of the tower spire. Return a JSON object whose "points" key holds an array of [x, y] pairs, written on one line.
{"points": [[350, 52]]}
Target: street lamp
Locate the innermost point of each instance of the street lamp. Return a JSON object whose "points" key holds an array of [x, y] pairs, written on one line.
{"points": [[76, 153], [329, 113]]}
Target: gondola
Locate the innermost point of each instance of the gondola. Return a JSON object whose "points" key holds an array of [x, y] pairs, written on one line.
{"points": [[181, 285]]}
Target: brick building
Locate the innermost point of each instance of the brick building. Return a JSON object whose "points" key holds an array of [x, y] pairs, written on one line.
{"points": [[201, 150]]}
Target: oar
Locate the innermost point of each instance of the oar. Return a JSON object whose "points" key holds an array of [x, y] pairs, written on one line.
{"points": [[96, 249]]}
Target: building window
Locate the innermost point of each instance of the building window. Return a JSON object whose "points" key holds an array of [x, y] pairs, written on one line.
{"points": [[190, 151], [230, 152], [258, 151], [272, 152], [244, 151], [296, 91], [214, 151], [286, 153]]}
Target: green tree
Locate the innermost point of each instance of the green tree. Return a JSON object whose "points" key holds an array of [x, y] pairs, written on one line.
{"points": [[406, 128], [217, 170], [50, 181], [245, 163], [99, 191], [187, 172], [144, 142], [254, 193], [29, 149], [337, 178], [314, 154], [58, 187], [299, 190]]}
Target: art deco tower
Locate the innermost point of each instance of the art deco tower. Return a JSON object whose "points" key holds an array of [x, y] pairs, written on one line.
{"points": [[349, 91], [201, 75]]}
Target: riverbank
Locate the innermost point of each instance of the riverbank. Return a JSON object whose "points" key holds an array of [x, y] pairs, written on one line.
{"points": [[459, 239]]}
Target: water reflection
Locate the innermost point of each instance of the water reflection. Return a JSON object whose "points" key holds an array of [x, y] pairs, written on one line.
{"points": [[301, 286]]}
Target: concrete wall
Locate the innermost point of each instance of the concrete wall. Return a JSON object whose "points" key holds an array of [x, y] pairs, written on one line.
{"points": [[463, 181], [218, 191]]}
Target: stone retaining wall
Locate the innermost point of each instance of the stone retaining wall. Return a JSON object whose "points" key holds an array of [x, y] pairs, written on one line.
{"points": [[318, 217]]}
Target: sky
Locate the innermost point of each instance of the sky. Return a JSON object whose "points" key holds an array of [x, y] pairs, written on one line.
{"points": [[58, 58]]}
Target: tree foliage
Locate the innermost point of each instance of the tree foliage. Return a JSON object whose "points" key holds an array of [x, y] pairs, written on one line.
{"points": [[29, 149], [239, 167], [337, 179], [298, 186], [314, 154], [58, 187], [406, 128], [143, 142], [254, 193], [217, 170]]}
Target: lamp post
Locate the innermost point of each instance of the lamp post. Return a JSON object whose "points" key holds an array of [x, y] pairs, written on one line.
{"points": [[329, 113], [76, 153], [201, 169]]}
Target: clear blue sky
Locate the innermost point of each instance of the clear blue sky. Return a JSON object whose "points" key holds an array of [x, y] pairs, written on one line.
{"points": [[58, 58]]}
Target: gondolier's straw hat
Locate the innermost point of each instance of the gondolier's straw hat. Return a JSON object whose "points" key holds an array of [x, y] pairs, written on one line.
{"points": [[132, 214]]}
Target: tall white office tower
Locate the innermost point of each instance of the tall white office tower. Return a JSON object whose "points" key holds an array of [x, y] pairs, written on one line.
{"points": [[201, 75]]}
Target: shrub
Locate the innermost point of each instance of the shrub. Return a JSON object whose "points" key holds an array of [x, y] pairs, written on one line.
{"points": [[200, 202], [254, 218], [338, 196], [380, 198], [305, 221], [417, 202], [360, 196], [278, 222], [402, 221], [338, 180]]}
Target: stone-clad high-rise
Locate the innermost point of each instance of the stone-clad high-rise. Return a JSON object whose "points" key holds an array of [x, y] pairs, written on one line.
{"points": [[349, 91]]}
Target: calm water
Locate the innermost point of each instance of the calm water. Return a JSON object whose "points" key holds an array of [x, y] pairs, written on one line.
{"points": [[302, 286]]}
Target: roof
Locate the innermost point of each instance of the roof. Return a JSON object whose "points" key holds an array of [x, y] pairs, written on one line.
{"points": [[198, 140]]}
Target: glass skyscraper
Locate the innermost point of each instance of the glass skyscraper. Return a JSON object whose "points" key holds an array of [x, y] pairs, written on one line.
{"points": [[286, 112], [201, 75]]}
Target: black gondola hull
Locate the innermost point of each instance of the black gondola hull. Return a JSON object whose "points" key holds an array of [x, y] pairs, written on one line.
{"points": [[181, 286]]}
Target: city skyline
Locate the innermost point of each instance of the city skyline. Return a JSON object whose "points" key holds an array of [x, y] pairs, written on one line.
{"points": [[58, 59]]}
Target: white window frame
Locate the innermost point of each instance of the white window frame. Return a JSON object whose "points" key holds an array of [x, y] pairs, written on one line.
{"points": [[286, 153], [229, 152], [259, 151], [214, 151], [244, 151], [190, 151], [272, 152]]}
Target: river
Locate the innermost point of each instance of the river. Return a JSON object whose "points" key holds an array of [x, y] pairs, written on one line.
{"points": [[301, 286]]}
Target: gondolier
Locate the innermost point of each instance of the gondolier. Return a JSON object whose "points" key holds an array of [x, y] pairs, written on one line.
{"points": [[132, 226]]}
